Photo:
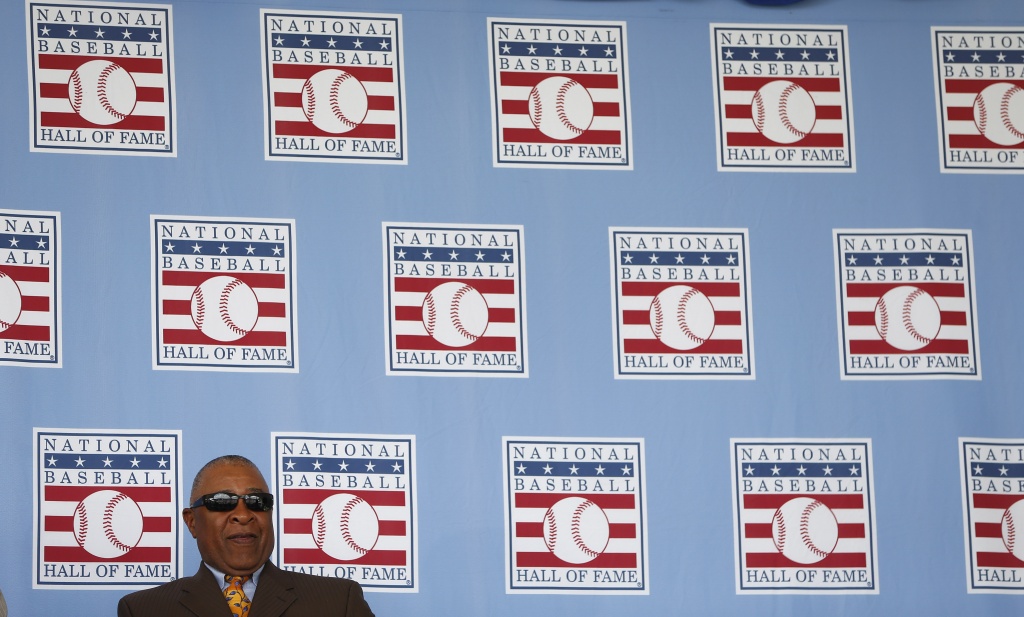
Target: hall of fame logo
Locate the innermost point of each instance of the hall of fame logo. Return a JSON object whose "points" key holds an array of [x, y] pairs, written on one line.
{"points": [[992, 472], [347, 507], [681, 303], [333, 87], [906, 304], [101, 79], [559, 94], [979, 96], [224, 294], [782, 98], [804, 516], [30, 289], [455, 299], [105, 508], [575, 515]]}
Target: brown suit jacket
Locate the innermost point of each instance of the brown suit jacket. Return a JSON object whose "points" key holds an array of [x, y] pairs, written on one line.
{"points": [[279, 593]]}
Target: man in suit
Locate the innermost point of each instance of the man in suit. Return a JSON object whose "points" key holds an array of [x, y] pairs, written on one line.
{"points": [[230, 518]]}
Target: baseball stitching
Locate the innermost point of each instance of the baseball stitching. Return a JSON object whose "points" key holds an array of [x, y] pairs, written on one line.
{"points": [[576, 535], [336, 100], [200, 308], [108, 523], [1010, 533], [982, 120], [759, 106], [562, 115], [225, 315], [883, 318], [76, 92], [805, 529], [657, 317], [454, 312], [681, 316], [550, 540], [536, 114], [780, 525], [907, 321], [346, 533], [310, 100], [83, 523], [784, 111], [321, 525], [1004, 112], [101, 90], [431, 314]]}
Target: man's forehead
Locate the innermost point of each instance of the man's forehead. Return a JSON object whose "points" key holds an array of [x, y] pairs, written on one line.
{"points": [[233, 477]]}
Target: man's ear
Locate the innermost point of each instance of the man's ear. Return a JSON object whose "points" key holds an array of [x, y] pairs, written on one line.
{"points": [[189, 517]]}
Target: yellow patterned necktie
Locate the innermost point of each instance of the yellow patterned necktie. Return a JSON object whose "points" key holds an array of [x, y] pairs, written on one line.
{"points": [[237, 602]]}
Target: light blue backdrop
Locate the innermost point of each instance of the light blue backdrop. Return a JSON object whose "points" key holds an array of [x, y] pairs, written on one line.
{"points": [[107, 380]]}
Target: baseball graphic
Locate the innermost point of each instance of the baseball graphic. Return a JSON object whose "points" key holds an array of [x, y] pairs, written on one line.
{"points": [[345, 526], [1013, 518], [576, 530], [224, 308], [334, 101], [682, 317], [10, 301], [783, 111], [907, 317], [102, 92], [107, 524], [805, 530], [561, 108], [455, 314], [999, 113]]}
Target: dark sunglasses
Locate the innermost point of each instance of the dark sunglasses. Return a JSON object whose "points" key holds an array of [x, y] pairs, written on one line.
{"points": [[225, 502]]}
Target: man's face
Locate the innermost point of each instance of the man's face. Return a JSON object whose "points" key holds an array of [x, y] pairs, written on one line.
{"points": [[239, 541]]}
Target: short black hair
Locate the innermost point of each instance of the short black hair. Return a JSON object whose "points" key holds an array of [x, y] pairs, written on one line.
{"points": [[227, 459]]}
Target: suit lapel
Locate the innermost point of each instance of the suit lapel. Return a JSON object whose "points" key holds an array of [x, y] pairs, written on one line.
{"points": [[201, 593], [274, 593]]}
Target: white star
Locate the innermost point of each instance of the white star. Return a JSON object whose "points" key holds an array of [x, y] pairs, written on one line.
{"points": [[479, 255], [169, 247], [680, 258], [854, 470], [357, 44], [369, 466], [749, 470], [279, 41], [627, 258], [878, 260], [532, 50], [583, 51], [728, 54], [956, 260], [331, 42], [930, 260], [627, 470], [805, 55], [1003, 470], [775, 470], [45, 31], [400, 254], [317, 465], [654, 258], [154, 36], [801, 470], [779, 55], [427, 254], [600, 470], [977, 470], [1001, 57], [904, 260], [521, 468], [72, 32], [277, 250], [80, 462], [100, 33], [397, 467], [223, 248], [453, 255], [343, 465], [609, 52], [135, 462], [162, 462], [557, 50], [14, 241], [305, 41], [731, 260], [52, 461], [547, 469], [505, 49], [950, 57], [384, 45], [290, 464], [574, 470], [197, 248], [754, 54], [705, 259], [126, 34], [250, 250], [41, 243], [107, 462], [852, 259], [827, 470], [831, 55], [976, 57], [506, 256]]}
